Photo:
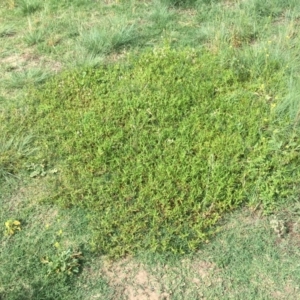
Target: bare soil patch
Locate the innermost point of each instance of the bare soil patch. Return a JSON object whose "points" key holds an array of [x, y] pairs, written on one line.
{"points": [[132, 280], [26, 60]]}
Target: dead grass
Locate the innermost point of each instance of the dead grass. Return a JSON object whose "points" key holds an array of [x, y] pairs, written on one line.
{"points": [[26, 60], [130, 279], [134, 280], [27, 195]]}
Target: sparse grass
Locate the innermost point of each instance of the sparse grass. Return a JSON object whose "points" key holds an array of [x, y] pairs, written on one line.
{"points": [[247, 259], [44, 259]]}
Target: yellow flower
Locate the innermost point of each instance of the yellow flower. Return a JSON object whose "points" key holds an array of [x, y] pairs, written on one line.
{"points": [[56, 245], [12, 226], [60, 232]]}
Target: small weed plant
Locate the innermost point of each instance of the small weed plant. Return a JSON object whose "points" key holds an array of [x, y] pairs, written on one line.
{"points": [[63, 262], [159, 147], [66, 262], [11, 227]]}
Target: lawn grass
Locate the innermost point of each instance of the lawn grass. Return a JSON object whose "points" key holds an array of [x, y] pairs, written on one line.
{"points": [[251, 257]]}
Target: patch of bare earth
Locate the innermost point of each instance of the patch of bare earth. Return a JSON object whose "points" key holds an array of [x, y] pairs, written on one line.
{"points": [[26, 60], [132, 280], [116, 57], [28, 195], [290, 292]]}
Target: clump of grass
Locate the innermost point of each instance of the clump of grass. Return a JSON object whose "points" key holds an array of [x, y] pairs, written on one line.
{"points": [[105, 40], [28, 7], [291, 103], [13, 151], [34, 37], [161, 15], [7, 31], [22, 78], [159, 148]]}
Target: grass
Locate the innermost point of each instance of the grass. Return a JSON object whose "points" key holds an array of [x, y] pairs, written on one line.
{"points": [[47, 235], [255, 39], [244, 261]]}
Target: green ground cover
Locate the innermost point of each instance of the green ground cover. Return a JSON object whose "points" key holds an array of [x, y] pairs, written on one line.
{"points": [[133, 127]]}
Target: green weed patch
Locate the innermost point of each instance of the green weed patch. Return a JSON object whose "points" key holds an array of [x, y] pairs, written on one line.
{"points": [[158, 148]]}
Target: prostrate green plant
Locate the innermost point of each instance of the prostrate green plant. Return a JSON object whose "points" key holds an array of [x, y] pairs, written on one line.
{"points": [[158, 148]]}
